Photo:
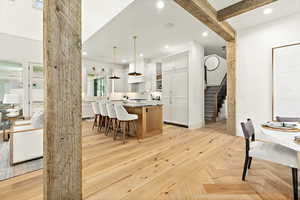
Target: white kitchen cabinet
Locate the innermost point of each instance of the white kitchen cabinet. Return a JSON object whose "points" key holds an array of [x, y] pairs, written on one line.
{"points": [[121, 85], [150, 77], [175, 96], [136, 79], [176, 62]]}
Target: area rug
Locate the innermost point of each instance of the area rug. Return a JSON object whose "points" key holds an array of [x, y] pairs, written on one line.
{"points": [[7, 171]]}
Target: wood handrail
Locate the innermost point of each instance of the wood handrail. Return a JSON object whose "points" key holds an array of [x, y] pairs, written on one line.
{"points": [[218, 93], [223, 83]]}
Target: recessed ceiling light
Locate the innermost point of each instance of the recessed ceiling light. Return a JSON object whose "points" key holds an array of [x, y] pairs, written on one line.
{"points": [[166, 46], [205, 34], [141, 54], [160, 4], [268, 11], [84, 53]]}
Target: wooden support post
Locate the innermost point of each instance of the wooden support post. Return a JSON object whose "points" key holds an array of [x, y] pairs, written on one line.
{"points": [[231, 87], [62, 138]]}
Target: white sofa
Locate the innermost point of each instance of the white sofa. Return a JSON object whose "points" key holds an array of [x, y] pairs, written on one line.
{"points": [[27, 139], [26, 144]]}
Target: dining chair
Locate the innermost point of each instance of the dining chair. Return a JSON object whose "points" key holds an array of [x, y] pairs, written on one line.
{"points": [[104, 116], [287, 119], [112, 121], [270, 152], [124, 118], [96, 112]]}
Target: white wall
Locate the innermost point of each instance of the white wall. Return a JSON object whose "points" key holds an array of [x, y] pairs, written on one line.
{"points": [[196, 85], [214, 78], [254, 67], [18, 49], [20, 18]]}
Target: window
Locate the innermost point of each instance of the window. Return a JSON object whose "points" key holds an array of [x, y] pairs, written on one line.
{"points": [[99, 87], [11, 79], [36, 96]]}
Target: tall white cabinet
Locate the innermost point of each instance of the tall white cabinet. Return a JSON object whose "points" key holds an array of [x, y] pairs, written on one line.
{"points": [[175, 89]]}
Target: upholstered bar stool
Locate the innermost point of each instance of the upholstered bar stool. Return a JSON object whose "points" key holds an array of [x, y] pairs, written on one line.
{"points": [[96, 111], [112, 118], [124, 118], [104, 115]]}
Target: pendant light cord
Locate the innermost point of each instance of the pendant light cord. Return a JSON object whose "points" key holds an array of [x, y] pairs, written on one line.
{"points": [[114, 54], [134, 43]]}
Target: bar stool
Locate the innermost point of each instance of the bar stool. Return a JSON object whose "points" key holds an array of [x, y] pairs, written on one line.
{"points": [[104, 116], [112, 118], [96, 111], [124, 118]]}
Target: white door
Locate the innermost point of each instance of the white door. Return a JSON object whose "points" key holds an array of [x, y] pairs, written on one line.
{"points": [[12, 81], [175, 96], [166, 95], [36, 88], [179, 97]]}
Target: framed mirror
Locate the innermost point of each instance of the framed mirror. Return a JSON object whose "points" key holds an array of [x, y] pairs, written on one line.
{"points": [[212, 63], [286, 81]]}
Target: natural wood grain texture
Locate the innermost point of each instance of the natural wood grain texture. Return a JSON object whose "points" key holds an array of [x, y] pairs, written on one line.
{"points": [[241, 7], [203, 11], [231, 87], [149, 121], [180, 164], [154, 123], [62, 138]]}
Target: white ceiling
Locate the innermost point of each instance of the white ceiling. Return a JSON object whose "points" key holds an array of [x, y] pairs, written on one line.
{"points": [[19, 18], [280, 8], [143, 19]]}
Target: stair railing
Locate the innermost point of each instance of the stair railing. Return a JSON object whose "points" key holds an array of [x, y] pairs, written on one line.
{"points": [[221, 95]]}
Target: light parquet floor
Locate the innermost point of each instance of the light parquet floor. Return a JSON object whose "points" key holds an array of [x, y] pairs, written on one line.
{"points": [[181, 164]]}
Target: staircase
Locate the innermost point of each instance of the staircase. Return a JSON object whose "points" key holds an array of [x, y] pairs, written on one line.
{"points": [[215, 97]]}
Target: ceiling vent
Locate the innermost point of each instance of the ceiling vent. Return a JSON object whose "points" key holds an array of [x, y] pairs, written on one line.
{"points": [[38, 4]]}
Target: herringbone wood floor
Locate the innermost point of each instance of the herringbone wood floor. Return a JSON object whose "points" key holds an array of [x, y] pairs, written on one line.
{"points": [[182, 164]]}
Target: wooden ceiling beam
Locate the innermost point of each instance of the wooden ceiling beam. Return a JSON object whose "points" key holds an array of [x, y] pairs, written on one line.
{"points": [[203, 11], [241, 7]]}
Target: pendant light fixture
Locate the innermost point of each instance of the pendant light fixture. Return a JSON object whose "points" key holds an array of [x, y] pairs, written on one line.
{"points": [[134, 56], [114, 77]]}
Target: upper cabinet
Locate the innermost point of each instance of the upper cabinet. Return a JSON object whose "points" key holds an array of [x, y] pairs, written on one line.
{"points": [[121, 85], [176, 62]]}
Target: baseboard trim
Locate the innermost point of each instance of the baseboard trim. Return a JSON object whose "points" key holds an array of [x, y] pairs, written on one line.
{"points": [[175, 124]]}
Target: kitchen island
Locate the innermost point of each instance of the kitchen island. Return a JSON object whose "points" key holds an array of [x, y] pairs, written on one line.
{"points": [[150, 121]]}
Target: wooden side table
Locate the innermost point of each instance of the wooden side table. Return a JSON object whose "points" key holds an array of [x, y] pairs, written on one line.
{"points": [[4, 127], [6, 124]]}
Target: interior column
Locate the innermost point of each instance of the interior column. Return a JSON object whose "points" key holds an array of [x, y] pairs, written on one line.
{"points": [[62, 133], [231, 86]]}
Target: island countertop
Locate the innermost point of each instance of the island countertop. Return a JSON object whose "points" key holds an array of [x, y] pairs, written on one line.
{"points": [[132, 105], [150, 118]]}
